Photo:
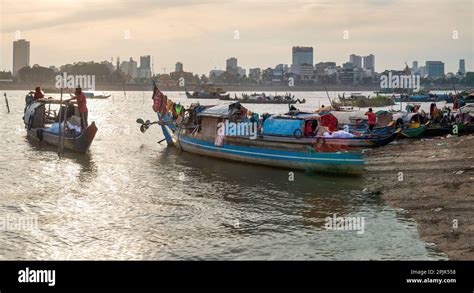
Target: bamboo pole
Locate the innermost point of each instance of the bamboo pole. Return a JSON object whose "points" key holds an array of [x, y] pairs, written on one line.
{"points": [[6, 101], [60, 146]]}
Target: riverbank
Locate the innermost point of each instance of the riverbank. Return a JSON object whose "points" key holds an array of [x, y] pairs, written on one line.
{"points": [[433, 181], [50, 87]]}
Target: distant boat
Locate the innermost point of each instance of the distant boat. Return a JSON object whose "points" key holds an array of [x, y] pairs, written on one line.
{"points": [[206, 95], [419, 98], [208, 91], [92, 95], [264, 99]]}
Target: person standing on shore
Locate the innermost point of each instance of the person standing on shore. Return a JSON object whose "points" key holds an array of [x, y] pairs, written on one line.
{"points": [[372, 118], [82, 106]]}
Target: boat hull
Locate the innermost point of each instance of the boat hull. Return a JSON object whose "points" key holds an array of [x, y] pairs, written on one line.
{"points": [[414, 132], [79, 143], [283, 155]]}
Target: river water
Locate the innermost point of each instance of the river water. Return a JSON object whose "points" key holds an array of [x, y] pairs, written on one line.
{"points": [[132, 198]]}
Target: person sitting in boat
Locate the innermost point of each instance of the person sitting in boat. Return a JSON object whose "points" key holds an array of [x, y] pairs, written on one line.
{"points": [[82, 106], [372, 118], [38, 94]]}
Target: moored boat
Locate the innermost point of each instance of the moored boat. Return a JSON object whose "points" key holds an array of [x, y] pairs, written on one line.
{"points": [[203, 131], [264, 99]]}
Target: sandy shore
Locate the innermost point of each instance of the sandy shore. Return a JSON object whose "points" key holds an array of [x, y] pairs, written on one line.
{"points": [[433, 180]]}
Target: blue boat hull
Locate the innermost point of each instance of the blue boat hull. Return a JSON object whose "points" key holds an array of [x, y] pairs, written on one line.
{"points": [[294, 157]]}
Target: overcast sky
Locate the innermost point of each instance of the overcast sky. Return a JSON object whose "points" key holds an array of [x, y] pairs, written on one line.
{"points": [[203, 34]]}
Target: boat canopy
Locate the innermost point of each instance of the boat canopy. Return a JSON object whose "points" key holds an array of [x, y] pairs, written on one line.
{"points": [[349, 117], [222, 111]]}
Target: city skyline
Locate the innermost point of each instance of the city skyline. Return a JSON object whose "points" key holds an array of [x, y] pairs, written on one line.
{"points": [[256, 41]]}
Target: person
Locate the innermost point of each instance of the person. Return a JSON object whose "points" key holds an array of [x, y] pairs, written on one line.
{"points": [[38, 94], [82, 106], [372, 118], [308, 130]]}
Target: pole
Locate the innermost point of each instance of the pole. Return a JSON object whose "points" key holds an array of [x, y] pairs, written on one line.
{"points": [[60, 149], [6, 101]]}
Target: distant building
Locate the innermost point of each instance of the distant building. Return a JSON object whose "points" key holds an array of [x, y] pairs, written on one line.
{"points": [[178, 67], [348, 65], [255, 74], [241, 71], [422, 71], [21, 55], [369, 62], [144, 71], [462, 66], [321, 68], [231, 66], [435, 69], [356, 60], [306, 72], [215, 73], [345, 75], [300, 56], [109, 65], [414, 66], [129, 68]]}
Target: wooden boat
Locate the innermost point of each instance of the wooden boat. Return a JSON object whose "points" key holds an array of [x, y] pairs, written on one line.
{"points": [[419, 98], [43, 127], [263, 99], [208, 91], [199, 134], [415, 131], [327, 136], [91, 95], [206, 95]]}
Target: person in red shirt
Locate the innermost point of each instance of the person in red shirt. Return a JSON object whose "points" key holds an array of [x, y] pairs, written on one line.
{"points": [[372, 118], [38, 94], [82, 106]]}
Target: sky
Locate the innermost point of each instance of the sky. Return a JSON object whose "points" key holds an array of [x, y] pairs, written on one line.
{"points": [[203, 34]]}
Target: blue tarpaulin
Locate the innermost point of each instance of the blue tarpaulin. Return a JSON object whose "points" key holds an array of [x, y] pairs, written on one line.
{"points": [[278, 126]]}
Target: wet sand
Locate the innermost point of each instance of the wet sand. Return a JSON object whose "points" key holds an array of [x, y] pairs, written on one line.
{"points": [[432, 180]]}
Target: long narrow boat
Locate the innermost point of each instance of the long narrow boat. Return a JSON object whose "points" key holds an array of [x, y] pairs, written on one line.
{"points": [[415, 132], [199, 133], [39, 130], [206, 95]]}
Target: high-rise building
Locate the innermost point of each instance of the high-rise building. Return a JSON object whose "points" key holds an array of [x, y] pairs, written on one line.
{"points": [[369, 62], [462, 66], [231, 66], [129, 68], [356, 60], [434, 69], [231, 63], [178, 67], [255, 74], [21, 55], [414, 66], [145, 62], [302, 55]]}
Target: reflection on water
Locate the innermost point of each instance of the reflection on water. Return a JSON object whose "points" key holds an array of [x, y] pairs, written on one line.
{"points": [[132, 198]]}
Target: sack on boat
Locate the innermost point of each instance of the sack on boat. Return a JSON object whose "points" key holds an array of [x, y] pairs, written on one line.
{"points": [[338, 134], [219, 141], [55, 128]]}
